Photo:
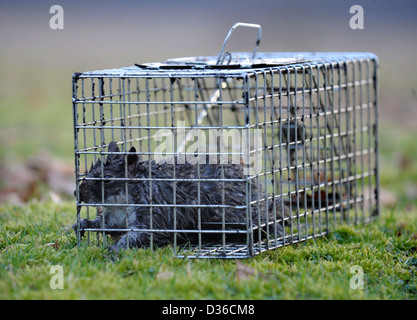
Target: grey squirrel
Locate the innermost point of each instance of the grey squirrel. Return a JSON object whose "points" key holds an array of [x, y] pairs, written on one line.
{"points": [[161, 192]]}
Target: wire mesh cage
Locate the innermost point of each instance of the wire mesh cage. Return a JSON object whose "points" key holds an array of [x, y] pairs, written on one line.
{"points": [[226, 156]]}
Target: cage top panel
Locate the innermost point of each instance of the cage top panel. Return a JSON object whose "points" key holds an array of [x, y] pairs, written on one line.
{"points": [[233, 64]]}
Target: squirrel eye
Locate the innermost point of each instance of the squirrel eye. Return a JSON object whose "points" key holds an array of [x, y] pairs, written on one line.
{"points": [[107, 177]]}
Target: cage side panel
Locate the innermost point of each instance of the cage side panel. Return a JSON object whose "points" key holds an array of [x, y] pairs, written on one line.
{"points": [[319, 150]]}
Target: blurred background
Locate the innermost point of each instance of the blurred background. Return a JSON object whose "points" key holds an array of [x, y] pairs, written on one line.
{"points": [[37, 63]]}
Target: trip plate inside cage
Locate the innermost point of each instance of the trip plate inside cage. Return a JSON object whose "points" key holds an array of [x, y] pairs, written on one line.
{"points": [[226, 158]]}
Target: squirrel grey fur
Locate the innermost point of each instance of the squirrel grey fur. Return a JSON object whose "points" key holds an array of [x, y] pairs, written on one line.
{"points": [[161, 192]]}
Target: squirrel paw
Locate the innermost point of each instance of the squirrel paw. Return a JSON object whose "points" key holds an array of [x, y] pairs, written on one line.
{"points": [[84, 224]]}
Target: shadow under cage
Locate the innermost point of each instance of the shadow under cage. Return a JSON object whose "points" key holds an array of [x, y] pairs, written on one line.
{"points": [[229, 157]]}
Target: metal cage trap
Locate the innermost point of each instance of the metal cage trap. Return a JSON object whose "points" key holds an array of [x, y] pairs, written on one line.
{"points": [[226, 156]]}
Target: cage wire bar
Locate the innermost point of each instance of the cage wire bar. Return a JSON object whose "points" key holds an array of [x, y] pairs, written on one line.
{"points": [[314, 168]]}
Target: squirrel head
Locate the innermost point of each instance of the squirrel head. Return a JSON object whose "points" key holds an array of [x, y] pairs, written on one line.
{"points": [[107, 176]]}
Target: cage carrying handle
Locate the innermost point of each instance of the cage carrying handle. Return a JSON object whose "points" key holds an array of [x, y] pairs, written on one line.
{"points": [[241, 24]]}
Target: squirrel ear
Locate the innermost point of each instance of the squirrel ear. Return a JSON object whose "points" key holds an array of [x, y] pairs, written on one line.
{"points": [[112, 148], [132, 158]]}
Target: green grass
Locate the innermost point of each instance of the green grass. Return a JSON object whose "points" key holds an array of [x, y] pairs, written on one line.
{"points": [[386, 250], [319, 269]]}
